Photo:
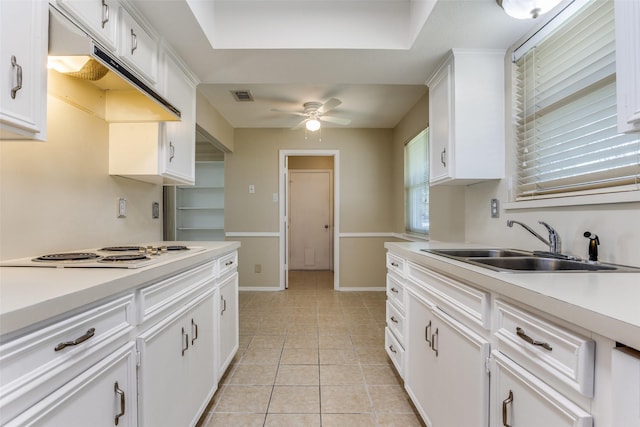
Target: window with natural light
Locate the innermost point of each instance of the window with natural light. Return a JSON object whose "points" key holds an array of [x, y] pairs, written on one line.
{"points": [[416, 183], [565, 105]]}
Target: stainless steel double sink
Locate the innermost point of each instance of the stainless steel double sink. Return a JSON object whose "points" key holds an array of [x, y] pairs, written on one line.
{"points": [[513, 260]]}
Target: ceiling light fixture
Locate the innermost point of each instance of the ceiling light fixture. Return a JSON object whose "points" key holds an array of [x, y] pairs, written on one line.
{"points": [[527, 9], [313, 124]]}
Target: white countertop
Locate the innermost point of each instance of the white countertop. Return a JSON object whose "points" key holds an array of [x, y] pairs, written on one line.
{"points": [[606, 303], [29, 295]]}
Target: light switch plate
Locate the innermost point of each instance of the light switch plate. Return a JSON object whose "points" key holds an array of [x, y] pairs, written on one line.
{"points": [[495, 208], [122, 207]]}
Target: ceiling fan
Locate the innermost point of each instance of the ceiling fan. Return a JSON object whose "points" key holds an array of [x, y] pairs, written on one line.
{"points": [[315, 112]]}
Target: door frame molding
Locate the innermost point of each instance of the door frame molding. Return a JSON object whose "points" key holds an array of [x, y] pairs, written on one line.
{"points": [[283, 191]]}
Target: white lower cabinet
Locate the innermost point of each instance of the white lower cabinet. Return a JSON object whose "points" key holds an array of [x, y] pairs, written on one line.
{"points": [[446, 366], [520, 399], [103, 396], [228, 322], [175, 377]]}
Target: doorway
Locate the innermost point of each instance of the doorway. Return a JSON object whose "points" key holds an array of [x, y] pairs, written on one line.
{"points": [[309, 212]]}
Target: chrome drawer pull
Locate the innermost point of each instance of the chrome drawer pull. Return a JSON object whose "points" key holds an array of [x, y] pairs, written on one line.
{"points": [[194, 332], [433, 342], [394, 264], [105, 15], [392, 349], [443, 157], [505, 402], [91, 332], [18, 67], [228, 263], [393, 319], [530, 340], [122, 402], [394, 290], [134, 41], [185, 346], [224, 305], [172, 151], [427, 333]]}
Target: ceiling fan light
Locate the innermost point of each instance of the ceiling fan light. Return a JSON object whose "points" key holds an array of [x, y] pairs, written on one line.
{"points": [[527, 9], [312, 125]]}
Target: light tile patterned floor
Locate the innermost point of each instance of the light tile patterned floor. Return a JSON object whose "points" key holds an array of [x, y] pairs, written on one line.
{"points": [[311, 357]]}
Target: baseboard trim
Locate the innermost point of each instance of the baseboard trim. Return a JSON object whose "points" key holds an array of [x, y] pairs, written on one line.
{"points": [[259, 288], [361, 289]]}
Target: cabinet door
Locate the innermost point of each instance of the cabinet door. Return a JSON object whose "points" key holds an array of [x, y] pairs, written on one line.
{"points": [[178, 157], [228, 324], [520, 399], [419, 359], [202, 383], [23, 73], [628, 64], [98, 17], [104, 395], [137, 47], [440, 125], [175, 359], [461, 377]]}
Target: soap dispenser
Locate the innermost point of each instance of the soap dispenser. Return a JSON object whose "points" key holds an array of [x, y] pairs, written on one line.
{"points": [[593, 245]]}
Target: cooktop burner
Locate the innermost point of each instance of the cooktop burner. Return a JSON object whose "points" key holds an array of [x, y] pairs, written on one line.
{"points": [[121, 248], [124, 258], [177, 248], [70, 256]]}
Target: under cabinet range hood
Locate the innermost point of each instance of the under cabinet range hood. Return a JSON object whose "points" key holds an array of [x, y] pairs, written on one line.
{"points": [[73, 53]]}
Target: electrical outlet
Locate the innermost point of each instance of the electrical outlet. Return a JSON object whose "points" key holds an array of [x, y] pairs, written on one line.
{"points": [[258, 268], [155, 210], [495, 208], [122, 207], [252, 189]]}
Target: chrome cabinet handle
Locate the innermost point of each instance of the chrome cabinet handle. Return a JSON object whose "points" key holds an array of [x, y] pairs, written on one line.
{"points": [[531, 341], [443, 157], [394, 264], [120, 393], [393, 319], [18, 67], [194, 332], [105, 13], [185, 342], [506, 402], [394, 290], [427, 333], [91, 332], [172, 151], [228, 263], [134, 41], [433, 342], [224, 305], [392, 349]]}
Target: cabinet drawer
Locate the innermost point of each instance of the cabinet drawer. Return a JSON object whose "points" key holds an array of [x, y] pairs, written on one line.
{"points": [[395, 351], [395, 322], [227, 264], [159, 297], [451, 295], [395, 291], [546, 349], [30, 366], [395, 264], [521, 399]]}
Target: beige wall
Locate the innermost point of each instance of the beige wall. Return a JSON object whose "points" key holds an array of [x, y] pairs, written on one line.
{"points": [[366, 186], [57, 195]]}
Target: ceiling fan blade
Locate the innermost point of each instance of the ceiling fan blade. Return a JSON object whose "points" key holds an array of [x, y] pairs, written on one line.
{"points": [[293, 113], [300, 125], [329, 105], [336, 120]]}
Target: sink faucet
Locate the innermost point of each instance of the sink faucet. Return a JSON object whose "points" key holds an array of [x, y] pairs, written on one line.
{"points": [[554, 239]]}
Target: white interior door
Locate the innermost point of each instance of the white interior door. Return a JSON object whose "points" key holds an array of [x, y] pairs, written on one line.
{"points": [[310, 219]]}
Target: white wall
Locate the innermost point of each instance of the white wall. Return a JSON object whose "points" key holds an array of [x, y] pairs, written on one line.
{"points": [[57, 195]]}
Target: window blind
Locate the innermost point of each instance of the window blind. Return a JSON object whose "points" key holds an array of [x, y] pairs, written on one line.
{"points": [[417, 184], [565, 104]]}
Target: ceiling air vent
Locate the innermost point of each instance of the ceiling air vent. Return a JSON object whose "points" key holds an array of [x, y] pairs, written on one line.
{"points": [[242, 95]]}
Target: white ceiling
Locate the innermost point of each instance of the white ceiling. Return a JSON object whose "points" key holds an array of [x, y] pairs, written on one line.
{"points": [[373, 55]]}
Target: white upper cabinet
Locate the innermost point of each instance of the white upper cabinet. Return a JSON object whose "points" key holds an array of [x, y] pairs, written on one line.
{"points": [[138, 47], [466, 118], [628, 64], [98, 17], [23, 72]]}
